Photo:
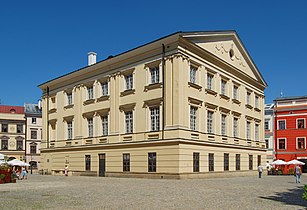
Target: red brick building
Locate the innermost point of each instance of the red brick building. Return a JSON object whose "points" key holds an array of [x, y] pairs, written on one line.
{"points": [[291, 130]]}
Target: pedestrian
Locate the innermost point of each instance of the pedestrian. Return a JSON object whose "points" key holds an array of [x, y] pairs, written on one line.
{"points": [[66, 170], [260, 170], [297, 173], [24, 173]]}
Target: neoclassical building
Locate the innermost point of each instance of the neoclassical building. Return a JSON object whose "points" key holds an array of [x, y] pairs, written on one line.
{"points": [[187, 105]]}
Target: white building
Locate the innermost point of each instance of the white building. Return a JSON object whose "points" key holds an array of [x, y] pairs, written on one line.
{"points": [[269, 131]]}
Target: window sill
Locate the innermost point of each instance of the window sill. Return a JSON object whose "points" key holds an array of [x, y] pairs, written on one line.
{"points": [[196, 86], [88, 101], [127, 92], [212, 92], [224, 97], [153, 86], [69, 106], [103, 98], [53, 110], [248, 106], [236, 101], [257, 109]]}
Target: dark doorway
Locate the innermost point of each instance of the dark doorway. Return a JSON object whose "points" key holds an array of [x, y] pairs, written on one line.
{"points": [[102, 164], [304, 167]]}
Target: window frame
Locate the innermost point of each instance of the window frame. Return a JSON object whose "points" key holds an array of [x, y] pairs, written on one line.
{"points": [[193, 117], [224, 87], [226, 161], [223, 124], [210, 121], [278, 124], [33, 134], [104, 88], [19, 144], [257, 132], [154, 118], [69, 130], [250, 162], [126, 162], [129, 81], [18, 128], [152, 162], [88, 162], [210, 81], [235, 92], [297, 123], [235, 127], [193, 74], [278, 143], [266, 124], [90, 126], [4, 127], [33, 147], [297, 141], [196, 157], [128, 121], [105, 125], [211, 161], [238, 162], [90, 92], [69, 98], [154, 74], [248, 130]]}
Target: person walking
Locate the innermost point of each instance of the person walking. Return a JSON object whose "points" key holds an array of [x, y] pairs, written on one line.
{"points": [[24, 173], [66, 170], [298, 173], [260, 170]]}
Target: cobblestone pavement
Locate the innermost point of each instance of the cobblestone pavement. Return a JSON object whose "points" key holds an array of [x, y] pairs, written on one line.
{"points": [[59, 192]]}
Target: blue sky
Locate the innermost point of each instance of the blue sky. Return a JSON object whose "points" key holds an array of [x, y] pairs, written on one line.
{"points": [[41, 40]]}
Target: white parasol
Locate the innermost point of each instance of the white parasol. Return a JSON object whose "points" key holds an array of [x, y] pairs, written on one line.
{"points": [[295, 162], [16, 162], [279, 162]]}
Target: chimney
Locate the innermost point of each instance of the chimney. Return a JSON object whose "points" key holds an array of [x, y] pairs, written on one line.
{"points": [[91, 58]]}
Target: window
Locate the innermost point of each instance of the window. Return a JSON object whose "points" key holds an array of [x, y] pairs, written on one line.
{"points": [[4, 128], [195, 162], [69, 130], [267, 143], [129, 82], [281, 124], [19, 144], [105, 129], [33, 164], [210, 122], [69, 98], [154, 75], [248, 98], [152, 162], [129, 122], [223, 87], [33, 149], [87, 162], [4, 143], [258, 160], [193, 118], [267, 125], [33, 120], [256, 101], [250, 162], [19, 128], [235, 92], [300, 123], [126, 162], [90, 93], [257, 132], [90, 127], [33, 134], [223, 125], [210, 81], [104, 89], [211, 162], [281, 143], [238, 162], [226, 161], [193, 71], [248, 130], [235, 127], [155, 118], [300, 143]]}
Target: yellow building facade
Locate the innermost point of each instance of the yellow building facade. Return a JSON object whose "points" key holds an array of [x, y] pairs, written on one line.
{"points": [[188, 105]]}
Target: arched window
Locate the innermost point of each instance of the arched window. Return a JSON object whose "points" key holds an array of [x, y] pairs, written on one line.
{"points": [[4, 143], [33, 164]]}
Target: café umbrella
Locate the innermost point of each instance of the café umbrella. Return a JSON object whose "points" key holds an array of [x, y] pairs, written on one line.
{"points": [[1, 156], [295, 162], [16, 162], [279, 162]]}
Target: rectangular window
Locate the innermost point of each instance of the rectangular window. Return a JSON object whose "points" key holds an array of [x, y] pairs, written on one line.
{"points": [[210, 81], [105, 129], [267, 143], [129, 122], [223, 87], [267, 125], [193, 117], [155, 118], [33, 134], [256, 132], [4, 144], [248, 130], [238, 162], [226, 161], [248, 98], [90, 92], [87, 162], [4, 128], [258, 160], [300, 143], [69, 98], [193, 71], [281, 124], [19, 144], [223, 125], [235, 127], [104, 89], [69, 130], [211, 162], [90, 127], [235, 92], [33, 149], [19, 128], [33, 120], [126, 162], [155, 74], [210, 122], [300, 123], [195, 162], [152, 162], [129, 82], [256, 101], [281, 143], [250, 162]]}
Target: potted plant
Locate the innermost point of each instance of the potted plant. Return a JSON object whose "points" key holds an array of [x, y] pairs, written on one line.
{"points": [[2, 177]]}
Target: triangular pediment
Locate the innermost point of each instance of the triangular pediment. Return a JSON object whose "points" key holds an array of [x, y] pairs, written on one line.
{"points": [[228, 47]]}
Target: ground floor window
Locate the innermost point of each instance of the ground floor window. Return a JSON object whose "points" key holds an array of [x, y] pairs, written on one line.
{"points": [[33, 164], [226, 161], [195, 162], [259, 160], [126, 162], [152, 162], [250, 162], [238, 162], [211, 162], [87, 162]]}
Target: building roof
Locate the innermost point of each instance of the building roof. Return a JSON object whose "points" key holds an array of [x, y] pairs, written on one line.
{"points": [[290, 98], [11, 109], [32, 109]]}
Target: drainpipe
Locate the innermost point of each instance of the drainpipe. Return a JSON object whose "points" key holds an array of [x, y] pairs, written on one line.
{"points": [[47, 139], [163, 90]]}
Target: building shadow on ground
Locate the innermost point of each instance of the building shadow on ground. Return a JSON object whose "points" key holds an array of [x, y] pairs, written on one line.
{"points": [[291, 197]]}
